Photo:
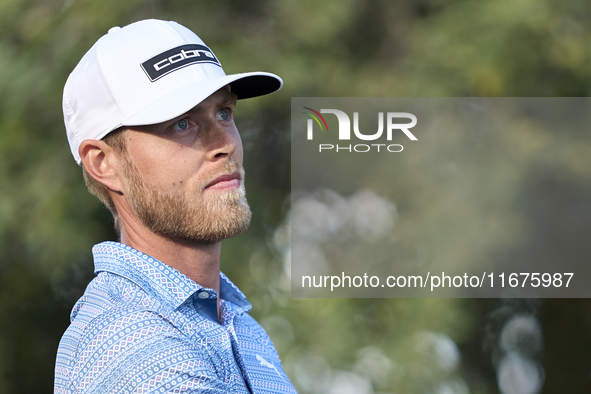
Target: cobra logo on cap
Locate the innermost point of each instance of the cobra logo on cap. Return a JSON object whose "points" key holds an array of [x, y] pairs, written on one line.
{"points": [[177, 58]]}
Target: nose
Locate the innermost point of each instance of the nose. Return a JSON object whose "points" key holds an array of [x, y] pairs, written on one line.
{"points": [[223, 142]]}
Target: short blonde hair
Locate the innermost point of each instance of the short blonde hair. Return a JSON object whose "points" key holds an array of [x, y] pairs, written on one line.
{"points": [[115, 140]]}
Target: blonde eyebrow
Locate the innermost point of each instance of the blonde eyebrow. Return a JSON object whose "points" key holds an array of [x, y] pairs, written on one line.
{"points": [[197, 109], [230, 101]]}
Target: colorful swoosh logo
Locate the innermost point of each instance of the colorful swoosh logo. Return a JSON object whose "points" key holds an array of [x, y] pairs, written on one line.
{"points": [[315, 115]]}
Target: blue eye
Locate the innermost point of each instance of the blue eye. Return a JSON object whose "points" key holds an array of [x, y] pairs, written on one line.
{"points": [[181, 125], [223, 114]]}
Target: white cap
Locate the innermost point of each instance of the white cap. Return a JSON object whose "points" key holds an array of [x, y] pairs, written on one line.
{"points": [[145, 73]]}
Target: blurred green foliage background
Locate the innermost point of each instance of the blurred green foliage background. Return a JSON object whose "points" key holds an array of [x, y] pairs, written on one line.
{"points": [[48, 221]]}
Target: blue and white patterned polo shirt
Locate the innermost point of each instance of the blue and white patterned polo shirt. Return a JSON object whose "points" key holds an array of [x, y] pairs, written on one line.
{"points": [[143, 327]]}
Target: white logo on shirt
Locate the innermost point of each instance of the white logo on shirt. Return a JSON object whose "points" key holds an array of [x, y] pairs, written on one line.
{"points": [[265, 363]]}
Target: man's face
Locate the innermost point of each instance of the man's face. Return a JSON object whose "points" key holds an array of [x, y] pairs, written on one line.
{"points": [[184, 177]]}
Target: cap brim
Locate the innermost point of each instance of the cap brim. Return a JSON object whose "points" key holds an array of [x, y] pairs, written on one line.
{"points": [[176, 103]]}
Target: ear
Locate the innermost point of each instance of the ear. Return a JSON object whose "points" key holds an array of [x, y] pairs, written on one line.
{"points": [[102, 163]]}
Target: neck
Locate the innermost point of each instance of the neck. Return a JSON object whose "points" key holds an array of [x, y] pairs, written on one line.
{"points": [[199, 261]]}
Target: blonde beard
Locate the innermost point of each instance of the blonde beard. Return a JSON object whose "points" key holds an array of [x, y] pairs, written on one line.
{"points": [[191, 218]]}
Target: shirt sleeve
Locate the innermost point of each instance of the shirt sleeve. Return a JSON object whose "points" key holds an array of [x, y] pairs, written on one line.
{"points": [[141, 352]]}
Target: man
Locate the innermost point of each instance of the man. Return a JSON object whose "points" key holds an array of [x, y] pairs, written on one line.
{"points": [[148, 114]]}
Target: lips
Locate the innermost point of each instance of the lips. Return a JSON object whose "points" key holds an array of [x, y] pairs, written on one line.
{"points": [[223, 182]]}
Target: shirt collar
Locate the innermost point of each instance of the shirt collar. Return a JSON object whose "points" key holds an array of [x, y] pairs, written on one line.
{"points": [[157, 278]]}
